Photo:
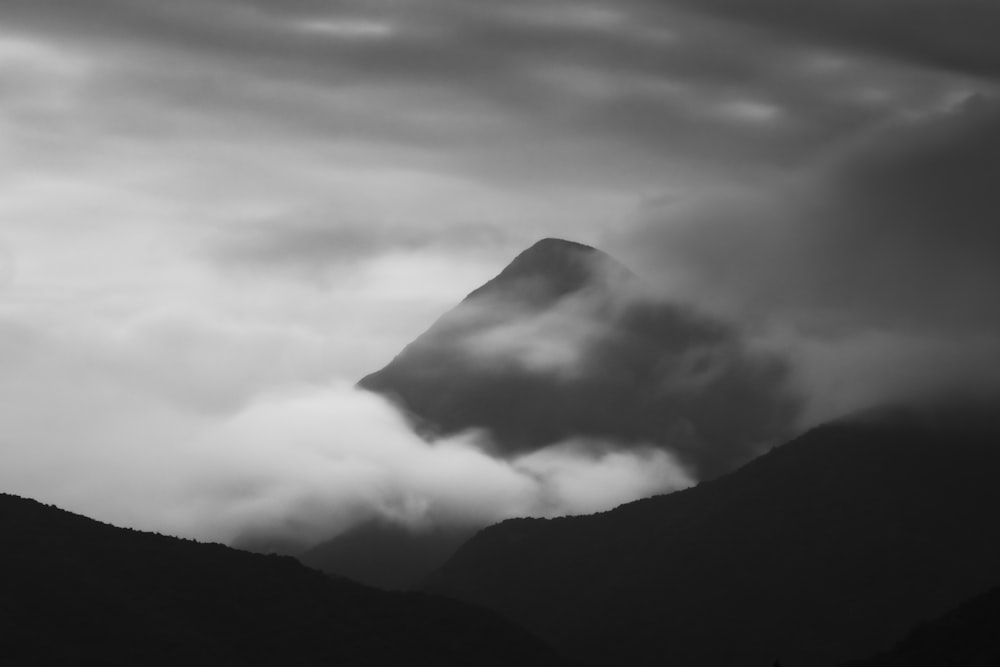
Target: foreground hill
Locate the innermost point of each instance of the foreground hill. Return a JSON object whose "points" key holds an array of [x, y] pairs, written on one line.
{"points": [[968, 636], [827, 549], [78, 592]]}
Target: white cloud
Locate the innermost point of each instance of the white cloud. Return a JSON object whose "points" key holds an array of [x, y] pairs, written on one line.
{"points": [[188, 427], [345, 28]]}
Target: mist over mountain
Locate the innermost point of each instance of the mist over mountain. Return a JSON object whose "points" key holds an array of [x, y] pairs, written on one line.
{"points": [[567, 343], [829, 548], [566, 350], [80, 592]]}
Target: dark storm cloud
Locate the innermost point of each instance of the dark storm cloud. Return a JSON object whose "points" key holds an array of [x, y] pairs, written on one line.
{"points": [[919, 214], [879, 266], [899, 229], [959, 35], [513, 89]]}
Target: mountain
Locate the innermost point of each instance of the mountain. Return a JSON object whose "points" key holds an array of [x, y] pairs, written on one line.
{"points": [[824, 550], [568, 343], [386, 555], [968, 636], [78, 592]]}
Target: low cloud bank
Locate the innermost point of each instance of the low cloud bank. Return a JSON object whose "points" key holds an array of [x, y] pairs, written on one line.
{"points": [[296, 461]]}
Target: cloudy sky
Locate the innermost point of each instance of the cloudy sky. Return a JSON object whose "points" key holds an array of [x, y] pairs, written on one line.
{"points": [[217, 215]]}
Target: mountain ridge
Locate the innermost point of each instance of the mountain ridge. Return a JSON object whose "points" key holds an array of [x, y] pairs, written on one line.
{"points": [[826, 549], [78, 591], [385, 555]]}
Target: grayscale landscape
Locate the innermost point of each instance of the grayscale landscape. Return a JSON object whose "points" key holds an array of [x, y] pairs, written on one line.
{"points": [[566, 333]]}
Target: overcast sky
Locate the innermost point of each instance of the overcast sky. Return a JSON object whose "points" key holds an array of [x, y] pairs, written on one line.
{"points": [[216, 215]]}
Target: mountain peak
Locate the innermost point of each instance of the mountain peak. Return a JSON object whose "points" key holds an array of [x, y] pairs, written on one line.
{"points": [[561, 344], [550, 269], [552, 244], [550, 254]]}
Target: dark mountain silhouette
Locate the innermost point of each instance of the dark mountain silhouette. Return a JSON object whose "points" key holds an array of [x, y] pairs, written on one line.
{"points": [[968, 636], [566, 343], [264, 542], [387, 555], [77, 592], [824, 550]]}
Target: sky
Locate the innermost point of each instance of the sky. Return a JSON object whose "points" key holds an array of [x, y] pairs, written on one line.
{"points": [[217, 215]]}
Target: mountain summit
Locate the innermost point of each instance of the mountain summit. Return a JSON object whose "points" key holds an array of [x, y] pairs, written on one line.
{"points": [[567, 343], [550, 270]]}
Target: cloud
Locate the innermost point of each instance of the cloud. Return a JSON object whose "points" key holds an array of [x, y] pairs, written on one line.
{"points": [[7, 270], [955, 35], [298, 460], [897, 228], [315, 245], [497, 333], [893, 236], [593, 476], [598, 94]]}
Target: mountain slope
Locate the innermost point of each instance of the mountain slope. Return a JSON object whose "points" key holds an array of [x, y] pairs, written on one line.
{"points": [[566, 343], [77, 592], [968, 636], [826, 549], [384, 555]]}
